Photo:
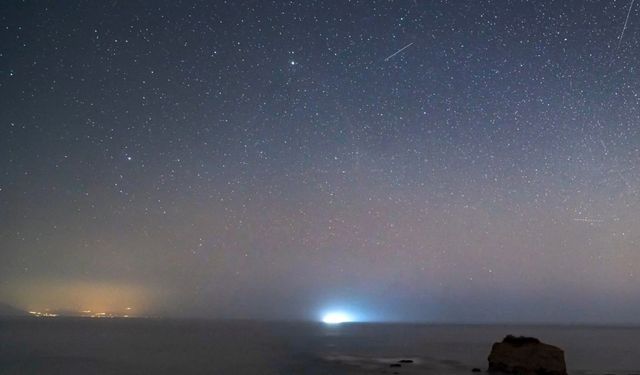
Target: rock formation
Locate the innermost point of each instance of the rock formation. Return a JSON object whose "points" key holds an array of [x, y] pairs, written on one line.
{"points": [[526, 356]]}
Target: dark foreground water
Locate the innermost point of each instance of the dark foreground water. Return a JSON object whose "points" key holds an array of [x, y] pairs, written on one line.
{"points": [[136, 346]]}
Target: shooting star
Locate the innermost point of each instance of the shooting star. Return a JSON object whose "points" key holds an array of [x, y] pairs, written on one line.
{"points": [[625, 23], [624, 28], [588, 220], [606, 150], [402, 49]]}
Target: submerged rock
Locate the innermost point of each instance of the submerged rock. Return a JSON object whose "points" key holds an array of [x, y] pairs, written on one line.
{"points": [[526, 356], [475, 369]]}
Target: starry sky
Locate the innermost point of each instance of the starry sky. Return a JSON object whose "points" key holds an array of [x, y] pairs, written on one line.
{"points": [[470, 161]]}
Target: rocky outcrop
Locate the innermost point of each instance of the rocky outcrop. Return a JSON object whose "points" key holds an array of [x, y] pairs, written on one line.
{"points": [[526, 356]]}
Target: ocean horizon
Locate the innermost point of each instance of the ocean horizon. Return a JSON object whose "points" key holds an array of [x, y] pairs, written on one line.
{"points": [[68, 345]]}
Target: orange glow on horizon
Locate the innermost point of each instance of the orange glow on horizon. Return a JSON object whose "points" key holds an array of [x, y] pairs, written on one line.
{"points": [[84, 298]]}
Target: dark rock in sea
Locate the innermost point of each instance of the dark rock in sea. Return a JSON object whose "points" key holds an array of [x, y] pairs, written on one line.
{"points": [[520, 341], [406, 361], [395, 365], [526, 356], [475, 369]]}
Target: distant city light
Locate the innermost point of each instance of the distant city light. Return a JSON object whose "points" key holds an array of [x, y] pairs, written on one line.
{"points": [[81, 313], [41, 314]]}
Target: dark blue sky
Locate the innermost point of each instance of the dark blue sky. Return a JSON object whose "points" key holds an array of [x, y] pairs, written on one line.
{"points": [[277, 159]]}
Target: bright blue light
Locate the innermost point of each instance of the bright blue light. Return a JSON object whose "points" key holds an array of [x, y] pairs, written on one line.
{"points": [[337, 317]]}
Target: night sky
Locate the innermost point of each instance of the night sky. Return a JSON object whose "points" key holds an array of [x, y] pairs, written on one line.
{"points": [[471, 161]]}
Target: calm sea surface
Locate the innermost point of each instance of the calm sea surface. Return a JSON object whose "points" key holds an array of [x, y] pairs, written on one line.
{"points": [[133, 346]]}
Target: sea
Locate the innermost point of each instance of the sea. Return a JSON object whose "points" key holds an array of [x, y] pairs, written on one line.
{"points": [[86, 346]]}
